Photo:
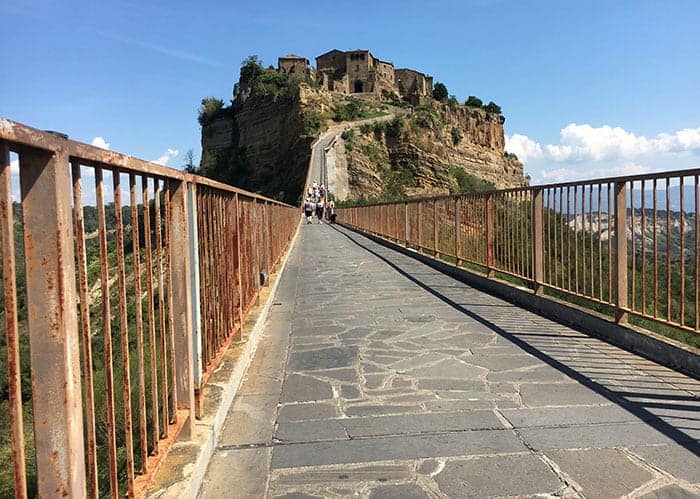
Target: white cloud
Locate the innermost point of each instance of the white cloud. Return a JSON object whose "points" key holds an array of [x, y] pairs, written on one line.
{"points": [[167, 156], [100, 142], [587, 143], [567, 174], [14, 167], [524, 147]]}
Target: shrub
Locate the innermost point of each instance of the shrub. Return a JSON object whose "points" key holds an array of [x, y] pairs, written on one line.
{"points": [[210, 108], [440, 92], [393, 99], [251, 68], [467, 183], [456, 135], [394, 127], [353, 109], [426, 116], [367, 128], [492, 108], [347, 134], [452, 103], [473, 101], [312, 125]]}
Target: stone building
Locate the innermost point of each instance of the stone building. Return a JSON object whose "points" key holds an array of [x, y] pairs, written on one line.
{"points": [[413, 85], [359, 71], [294, 65]]}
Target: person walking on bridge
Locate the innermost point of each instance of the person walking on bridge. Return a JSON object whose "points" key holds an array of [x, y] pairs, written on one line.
{"points": [[308, 209], [319, 210]]}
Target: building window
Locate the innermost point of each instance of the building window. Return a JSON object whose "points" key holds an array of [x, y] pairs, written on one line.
{"points": [[357, 67]]}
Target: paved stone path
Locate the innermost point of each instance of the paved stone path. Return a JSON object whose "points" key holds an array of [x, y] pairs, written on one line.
{"points": [[380, 377]]}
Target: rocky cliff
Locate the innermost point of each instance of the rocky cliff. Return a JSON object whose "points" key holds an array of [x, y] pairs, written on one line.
{"points": [[262, 145], [261, 142], [434, 150]]}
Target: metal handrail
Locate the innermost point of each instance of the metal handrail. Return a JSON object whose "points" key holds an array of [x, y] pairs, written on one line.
{"points": [[140, 298]]}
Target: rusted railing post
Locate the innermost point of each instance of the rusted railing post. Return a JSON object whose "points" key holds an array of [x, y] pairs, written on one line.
{"points": [[239, 264], [458, 231], [621, 251], [197, 343], [537, 240], [420, 225], [14, 374], [490, 235], [436, 244], [268, 235], [181, 294], [53, 323], [405, 224]]}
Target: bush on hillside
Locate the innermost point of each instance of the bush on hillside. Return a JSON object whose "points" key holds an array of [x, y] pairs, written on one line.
{"points": [[440, 92], [473, 101], [208, 111]]}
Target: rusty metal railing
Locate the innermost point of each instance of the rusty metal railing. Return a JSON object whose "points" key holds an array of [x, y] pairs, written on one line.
{"points": [[123, 281], [625, 245]]}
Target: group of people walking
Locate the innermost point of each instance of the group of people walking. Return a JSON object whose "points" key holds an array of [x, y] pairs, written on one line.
{"points": [[315, 202]]}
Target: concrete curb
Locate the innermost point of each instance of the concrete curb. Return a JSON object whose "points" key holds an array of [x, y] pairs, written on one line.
{"points": [[208, 430], [652, 346]]}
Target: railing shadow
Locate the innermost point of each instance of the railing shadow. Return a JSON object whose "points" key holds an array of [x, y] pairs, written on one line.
{"points": [[640, 409]]}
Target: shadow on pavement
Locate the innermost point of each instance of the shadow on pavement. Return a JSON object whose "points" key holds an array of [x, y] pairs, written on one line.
{"points": [[637, 408]]}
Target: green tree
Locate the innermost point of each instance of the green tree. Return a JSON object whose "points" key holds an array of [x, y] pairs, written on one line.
{"points": [[209, 109], [492, 108], [452, 103], [440, 92], [251, 68], [473, 101]]}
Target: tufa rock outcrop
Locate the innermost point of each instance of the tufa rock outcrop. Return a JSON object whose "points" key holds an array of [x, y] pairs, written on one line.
{"points": [[261, 142]]}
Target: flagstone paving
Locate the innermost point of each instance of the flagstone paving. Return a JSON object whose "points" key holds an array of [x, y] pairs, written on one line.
{"points": [[379, 377]]}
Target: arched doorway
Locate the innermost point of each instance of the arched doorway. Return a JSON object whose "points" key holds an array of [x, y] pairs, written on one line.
{"points": [[358, 87]]}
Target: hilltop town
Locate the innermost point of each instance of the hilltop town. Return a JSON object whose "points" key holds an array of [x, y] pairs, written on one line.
{"points": [[359, 72], [402, 133]]}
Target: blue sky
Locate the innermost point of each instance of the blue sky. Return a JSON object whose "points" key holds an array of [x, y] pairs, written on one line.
{"points": [[588, 88]]}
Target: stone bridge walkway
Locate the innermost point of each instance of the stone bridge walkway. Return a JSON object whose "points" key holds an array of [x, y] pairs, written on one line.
{"points": [[378, 376]]}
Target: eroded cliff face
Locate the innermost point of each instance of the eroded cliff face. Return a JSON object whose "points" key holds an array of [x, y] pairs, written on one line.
{"points": [[420, 154], [263, 145]]}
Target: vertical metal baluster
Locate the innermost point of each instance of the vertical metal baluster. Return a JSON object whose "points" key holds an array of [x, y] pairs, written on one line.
{"points": [[655, 253], [238, 262], [568, 237], [697, 253], [143, 430], [84, 289], [158, 190], [610, 229], [167, 192], [682, 251], [153, 361], [124, 334], [107, 333], [14, 372], [548, 241], [576, 238], [644, 250], [583, 240], [590, 234], [600, 242], [634, 248], [668, 249]]}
